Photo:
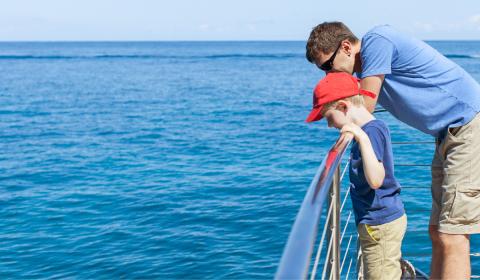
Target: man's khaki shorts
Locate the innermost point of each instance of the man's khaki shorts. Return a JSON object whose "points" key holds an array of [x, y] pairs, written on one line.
{"points": [[456, 180], [381, 249]]}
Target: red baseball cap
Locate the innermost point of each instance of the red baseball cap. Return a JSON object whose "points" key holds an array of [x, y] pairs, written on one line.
{"points": [[334, 86]]}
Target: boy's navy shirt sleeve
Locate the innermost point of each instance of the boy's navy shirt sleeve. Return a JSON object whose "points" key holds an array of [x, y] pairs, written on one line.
{"points": [[383, 205], [377, 138]]}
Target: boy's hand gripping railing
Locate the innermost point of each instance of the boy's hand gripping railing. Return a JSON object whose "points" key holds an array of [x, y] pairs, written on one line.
{"points": [[296, 257]]}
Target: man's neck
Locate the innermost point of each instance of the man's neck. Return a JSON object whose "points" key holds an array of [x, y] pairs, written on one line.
{"points": [[357, 67]]}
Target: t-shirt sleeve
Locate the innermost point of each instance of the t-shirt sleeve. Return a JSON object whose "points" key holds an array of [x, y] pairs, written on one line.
{"points": [[378, 140], [377, 55]]}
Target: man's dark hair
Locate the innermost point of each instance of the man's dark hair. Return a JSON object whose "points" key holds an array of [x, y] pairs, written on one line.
{"points": [[326, 37]]}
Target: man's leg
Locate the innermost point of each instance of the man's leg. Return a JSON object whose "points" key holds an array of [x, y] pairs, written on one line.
{"points": [[456, 256], [437, 259], [450, 255], [437, 193], [456, 201]]}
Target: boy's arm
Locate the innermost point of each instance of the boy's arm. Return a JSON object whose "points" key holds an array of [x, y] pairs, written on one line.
{"points": [[373, 169], [372, 84]]}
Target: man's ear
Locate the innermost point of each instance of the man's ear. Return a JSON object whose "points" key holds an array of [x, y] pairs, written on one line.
{"points": [[347, 47]]}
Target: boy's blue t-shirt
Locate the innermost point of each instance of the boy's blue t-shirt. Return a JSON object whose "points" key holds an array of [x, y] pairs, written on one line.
{"points": [[422, 88], [383, 205]]}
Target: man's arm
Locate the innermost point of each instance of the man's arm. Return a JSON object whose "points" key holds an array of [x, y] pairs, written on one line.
{"points": [[372, 84]]}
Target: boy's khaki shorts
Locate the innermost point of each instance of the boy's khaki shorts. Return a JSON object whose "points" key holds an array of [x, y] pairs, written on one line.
{"points": [[381, 249], [456, 180]]}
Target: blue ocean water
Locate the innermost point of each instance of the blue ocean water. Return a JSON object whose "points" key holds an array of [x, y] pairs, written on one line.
{"points": [[171, 160]]}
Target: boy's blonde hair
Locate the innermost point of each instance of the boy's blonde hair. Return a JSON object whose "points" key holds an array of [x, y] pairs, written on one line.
{"points": [[356, 100]]}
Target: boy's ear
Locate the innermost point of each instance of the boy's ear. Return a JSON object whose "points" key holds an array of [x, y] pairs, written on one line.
{"points": [[342, 106]]}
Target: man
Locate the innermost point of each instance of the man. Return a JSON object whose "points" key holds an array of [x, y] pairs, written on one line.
{"points": [[425, 90]]}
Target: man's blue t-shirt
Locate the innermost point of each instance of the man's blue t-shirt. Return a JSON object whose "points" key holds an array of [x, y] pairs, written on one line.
{"points": [[383, 205], [422, 88]]}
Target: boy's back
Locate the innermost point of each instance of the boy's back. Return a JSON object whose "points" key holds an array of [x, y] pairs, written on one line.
{"points": [[382, 205]]}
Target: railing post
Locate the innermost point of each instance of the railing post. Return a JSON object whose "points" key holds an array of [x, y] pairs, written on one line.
{"points": [[359, 261], [333, 269], [296, 257]]}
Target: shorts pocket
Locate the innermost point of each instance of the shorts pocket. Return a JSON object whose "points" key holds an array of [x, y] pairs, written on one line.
{"points": [[453, 131], [369, 233], [460, 132], [466, 206]]}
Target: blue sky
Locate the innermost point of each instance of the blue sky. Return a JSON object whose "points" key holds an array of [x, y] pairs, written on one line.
{"points": [[47, 20]]}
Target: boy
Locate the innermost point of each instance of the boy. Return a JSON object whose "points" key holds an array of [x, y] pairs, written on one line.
{"points": [[379, 212]]}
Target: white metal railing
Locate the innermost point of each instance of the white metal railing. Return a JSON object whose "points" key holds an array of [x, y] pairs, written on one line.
{"points": [[337, 263], [296, 258]]}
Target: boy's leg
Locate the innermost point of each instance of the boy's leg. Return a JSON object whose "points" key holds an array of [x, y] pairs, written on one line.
{"points": [[395, 231], [381, 249], [371, 242], [455, 200]]}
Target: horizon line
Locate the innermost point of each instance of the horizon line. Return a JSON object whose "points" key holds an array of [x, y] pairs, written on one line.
{"points": [[186, 41]]}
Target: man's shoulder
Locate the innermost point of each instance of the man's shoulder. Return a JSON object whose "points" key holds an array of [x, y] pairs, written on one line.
{"points": [[380, 30]]}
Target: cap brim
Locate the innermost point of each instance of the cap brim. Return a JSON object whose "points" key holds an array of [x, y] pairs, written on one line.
{"points": [[315, 115]]}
